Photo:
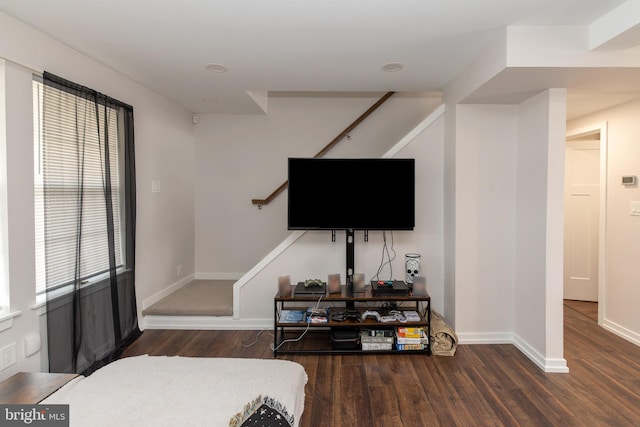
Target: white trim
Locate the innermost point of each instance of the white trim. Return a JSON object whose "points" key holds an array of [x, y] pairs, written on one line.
{"points": [[166, 291], [40, 308], [6, 320], [435, 114], [31, 68], [485, 338], [622, 332], [555, 366], [547, 365], [205, 323], [218, 276], [258, 267]]}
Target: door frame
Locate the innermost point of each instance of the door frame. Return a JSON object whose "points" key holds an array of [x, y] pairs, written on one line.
{"points": [[600, 128]]}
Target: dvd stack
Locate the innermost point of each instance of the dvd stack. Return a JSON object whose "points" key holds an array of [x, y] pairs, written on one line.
{"points": [[408, 339], [376, 339], [317, 314]]}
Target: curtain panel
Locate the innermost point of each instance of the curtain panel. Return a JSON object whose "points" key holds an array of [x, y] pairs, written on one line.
{"points": [[89, 198]]}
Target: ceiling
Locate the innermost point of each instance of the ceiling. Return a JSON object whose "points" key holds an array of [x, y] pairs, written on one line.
{"points": [[294, 45]]}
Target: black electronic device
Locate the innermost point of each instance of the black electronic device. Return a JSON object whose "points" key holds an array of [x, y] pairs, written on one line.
{"points": [[346, 194], [397, 287], [310, 288], [349, 314]]}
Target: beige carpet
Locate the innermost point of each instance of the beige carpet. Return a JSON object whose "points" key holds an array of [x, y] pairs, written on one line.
{"points": [[198, 298]]}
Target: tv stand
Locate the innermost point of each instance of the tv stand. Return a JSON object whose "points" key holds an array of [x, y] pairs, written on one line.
{"points": [[289, 337]]}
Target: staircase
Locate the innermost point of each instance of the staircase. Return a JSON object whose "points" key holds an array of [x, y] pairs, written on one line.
{"points": [[212, 299]]}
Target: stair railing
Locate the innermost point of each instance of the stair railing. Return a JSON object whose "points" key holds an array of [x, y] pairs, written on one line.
{"points": [[329, 146]]}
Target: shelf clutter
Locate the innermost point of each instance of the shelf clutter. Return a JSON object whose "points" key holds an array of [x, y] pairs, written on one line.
{"points": [[400, 339], [351, 322]]}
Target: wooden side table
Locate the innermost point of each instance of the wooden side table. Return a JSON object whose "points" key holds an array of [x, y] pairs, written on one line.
{"points": [[27, 388]]}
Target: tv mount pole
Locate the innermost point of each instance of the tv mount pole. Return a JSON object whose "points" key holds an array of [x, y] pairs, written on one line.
{"points": [[350, 249]]}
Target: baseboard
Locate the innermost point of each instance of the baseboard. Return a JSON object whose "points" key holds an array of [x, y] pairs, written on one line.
{"points": [[484, 338], [621, 331], [205, 323], [218, 276], [166, 291], [546, 364]]}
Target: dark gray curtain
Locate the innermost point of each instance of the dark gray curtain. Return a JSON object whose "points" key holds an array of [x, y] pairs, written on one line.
{"points": [[91, 317]]}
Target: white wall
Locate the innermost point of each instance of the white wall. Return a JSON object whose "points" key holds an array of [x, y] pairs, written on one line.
{"points": [[314, 255], [485, 191], [507, 244], [244, 157], [621, 294], [20, 215], [538, 321], [164, 152]]}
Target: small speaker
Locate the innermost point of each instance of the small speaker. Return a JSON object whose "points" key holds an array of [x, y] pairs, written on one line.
{"points": [[419, 286], [334, 283], [358, 282], [284, 286]]}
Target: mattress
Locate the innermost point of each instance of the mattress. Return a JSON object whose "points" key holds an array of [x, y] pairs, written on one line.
{"points": [[180, 391]]}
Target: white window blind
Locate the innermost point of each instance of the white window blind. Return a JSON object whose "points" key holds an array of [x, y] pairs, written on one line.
{"points": [[69, 187]]}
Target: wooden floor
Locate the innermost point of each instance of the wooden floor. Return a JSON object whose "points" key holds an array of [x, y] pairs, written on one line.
{"points": [[482, 385]]}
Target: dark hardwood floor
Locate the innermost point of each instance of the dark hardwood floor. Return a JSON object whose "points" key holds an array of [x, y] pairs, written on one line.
{"points": [[482, 385]]}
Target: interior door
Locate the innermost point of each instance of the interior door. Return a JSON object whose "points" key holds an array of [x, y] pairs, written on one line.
{"points": [[582, 202]]}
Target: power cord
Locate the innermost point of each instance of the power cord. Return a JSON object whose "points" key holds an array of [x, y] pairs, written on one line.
{"points": [[387, 252], [254, 341], [274, 348]]}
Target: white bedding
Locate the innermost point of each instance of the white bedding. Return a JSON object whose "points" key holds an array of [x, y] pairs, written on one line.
{"points": [[179, 391]]}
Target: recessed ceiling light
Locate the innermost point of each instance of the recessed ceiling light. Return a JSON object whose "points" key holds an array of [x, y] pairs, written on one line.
{"points": [[217, 68], [391, 67]]}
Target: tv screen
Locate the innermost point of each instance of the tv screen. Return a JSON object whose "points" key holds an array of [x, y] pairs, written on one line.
{"points": [[358, 194]]}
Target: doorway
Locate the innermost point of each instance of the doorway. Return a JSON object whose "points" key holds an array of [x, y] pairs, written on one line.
{"points": [[585, 214], [581, 209]]}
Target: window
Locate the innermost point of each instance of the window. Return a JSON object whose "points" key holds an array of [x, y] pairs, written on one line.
{"points": [[68, 168]]}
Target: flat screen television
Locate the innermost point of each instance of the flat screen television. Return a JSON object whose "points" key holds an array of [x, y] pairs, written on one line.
{"points": [[351, 194]]}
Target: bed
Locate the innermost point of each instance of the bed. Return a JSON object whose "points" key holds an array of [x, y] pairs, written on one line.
{"points": [[186, 391]]}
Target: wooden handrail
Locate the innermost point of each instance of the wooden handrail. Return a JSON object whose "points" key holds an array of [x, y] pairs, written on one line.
{"points": [[328, 147]]}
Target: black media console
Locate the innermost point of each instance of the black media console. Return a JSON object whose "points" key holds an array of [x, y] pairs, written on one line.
{"points": [[295, 334]]}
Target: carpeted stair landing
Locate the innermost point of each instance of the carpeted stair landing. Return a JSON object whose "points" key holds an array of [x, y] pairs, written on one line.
{"points": [[197, 298]]}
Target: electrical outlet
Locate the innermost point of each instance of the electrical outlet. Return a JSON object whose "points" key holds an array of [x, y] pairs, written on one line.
{"points": [[179, 270], [8, 356]]}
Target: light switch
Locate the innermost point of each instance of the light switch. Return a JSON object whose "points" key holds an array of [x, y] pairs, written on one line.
{"points": [[634, 208], [155, 186]]}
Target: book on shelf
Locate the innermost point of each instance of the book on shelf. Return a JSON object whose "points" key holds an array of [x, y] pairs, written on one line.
{"points": [[373, 346], [292, 316], [407, 332], [413, 338], [410, 347], [376, 336], [379, 332]]}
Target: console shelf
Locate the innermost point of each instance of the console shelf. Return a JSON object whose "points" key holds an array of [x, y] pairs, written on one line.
{"points": [[302, 337]]}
